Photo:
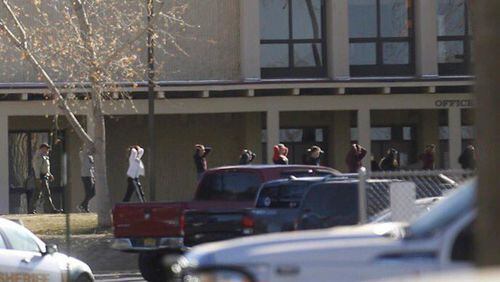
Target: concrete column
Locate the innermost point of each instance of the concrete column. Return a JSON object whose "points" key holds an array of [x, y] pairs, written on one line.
{"points": [[364, 135], [4, 164], [337, 38], [340, 138], [426, 57], [250, 39], [273, 132], [428, 133], [455, 138], [252, 137]]}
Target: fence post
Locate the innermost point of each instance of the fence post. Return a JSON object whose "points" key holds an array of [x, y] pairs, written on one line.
{"points": [[362, 176]]}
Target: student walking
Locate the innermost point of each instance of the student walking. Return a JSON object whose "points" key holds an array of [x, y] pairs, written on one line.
{"points": [[135, 170], [313, 156], [390, 160], [247, 157], [200, 159], [280, 154], [354, 158], [88, 180], [428, 157], [41, 167], [468, 158]]}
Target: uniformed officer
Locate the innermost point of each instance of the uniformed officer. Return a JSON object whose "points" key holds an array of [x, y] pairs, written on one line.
{"points": [[41, 166]]}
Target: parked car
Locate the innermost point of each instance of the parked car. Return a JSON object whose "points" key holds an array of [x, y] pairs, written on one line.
{"points": [[421, 206], [156, 230], [283, 205], [441, 239], [24, 257]]}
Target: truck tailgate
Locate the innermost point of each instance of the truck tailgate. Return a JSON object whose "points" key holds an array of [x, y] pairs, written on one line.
{"points": [[148, 219], [209, 226]]}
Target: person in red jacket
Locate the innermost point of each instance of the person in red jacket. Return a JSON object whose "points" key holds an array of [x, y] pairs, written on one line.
{"points": [[428, 157], [354, 158], [280, 154]]}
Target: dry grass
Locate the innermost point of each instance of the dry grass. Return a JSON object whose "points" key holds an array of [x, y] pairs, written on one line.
{"points": [[55, 224]]}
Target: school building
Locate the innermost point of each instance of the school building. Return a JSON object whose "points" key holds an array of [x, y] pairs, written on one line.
{"points": [[383, 73]]}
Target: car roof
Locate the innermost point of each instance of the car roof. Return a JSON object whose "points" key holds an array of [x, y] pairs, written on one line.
{"points": [[272, 166], [292, 180]]}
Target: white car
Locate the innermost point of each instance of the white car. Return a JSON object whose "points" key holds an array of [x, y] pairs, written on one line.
{"points": [[439, 240], [24, 257]]}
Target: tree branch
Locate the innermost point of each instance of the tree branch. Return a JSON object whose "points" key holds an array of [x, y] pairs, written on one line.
{"points": [[62, 104]]}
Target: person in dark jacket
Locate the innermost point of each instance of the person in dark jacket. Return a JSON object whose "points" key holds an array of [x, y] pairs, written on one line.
{"points": [[247, 157], [354, 158], [280, 154], [390, 160], [428, 157], [313, 156], [200, 159], [468, 158]]}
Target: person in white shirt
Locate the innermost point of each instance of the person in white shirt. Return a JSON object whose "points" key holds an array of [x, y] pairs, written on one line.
{"points": [[135, 170]]}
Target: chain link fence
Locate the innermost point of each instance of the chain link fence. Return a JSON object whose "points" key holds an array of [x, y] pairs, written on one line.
{"points": [[403, 195]]}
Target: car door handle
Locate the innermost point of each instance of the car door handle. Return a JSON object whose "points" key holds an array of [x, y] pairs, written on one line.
{"points": [[288, 270], [26, 260]]}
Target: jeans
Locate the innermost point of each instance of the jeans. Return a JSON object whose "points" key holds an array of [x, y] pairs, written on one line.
{"points": [[89, 185], [133, 185]]}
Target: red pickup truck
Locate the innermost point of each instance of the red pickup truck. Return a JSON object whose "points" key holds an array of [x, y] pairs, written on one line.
{"points": [[156, 230]]}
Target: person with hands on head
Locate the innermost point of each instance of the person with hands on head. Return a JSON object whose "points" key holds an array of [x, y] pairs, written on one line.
{"points": [[354, 158], [200, 159], [280, 154], [135, 170]]}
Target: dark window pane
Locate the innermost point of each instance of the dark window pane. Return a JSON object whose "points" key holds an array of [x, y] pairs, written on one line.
{"points": [[283, 196], [307, 55], [396, 53], [274, 55], [394, 18], [451, 51], [362, 18], [451, 17], [19, 165], [229, 186], [306, 17], [274, 19], [362, 54]]}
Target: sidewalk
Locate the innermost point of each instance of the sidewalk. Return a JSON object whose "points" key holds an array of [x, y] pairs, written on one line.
{"points": [[96, 252]]}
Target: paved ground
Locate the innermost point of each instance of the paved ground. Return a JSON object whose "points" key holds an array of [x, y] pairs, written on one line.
{"points": [[96, 252], [118, 276]]}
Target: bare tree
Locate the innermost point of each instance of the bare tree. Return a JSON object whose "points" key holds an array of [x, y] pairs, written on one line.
{"points": [[97, 45]]}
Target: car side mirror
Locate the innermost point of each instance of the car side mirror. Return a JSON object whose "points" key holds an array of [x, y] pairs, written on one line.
{"points": [[51, 249]]}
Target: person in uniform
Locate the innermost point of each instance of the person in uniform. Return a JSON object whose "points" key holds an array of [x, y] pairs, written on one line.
{"points": [[41, 167]]}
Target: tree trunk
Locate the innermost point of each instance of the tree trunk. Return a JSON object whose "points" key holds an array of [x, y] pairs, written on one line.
{"points": [[487, 42], [100, 174]]}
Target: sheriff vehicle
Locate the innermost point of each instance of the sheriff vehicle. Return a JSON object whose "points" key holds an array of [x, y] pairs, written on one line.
{"points": [[25, 258]]}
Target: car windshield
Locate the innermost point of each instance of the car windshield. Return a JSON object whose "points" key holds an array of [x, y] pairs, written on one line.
{"points": [[20, 238], [239, 186], [287, 195], [447, 211]]}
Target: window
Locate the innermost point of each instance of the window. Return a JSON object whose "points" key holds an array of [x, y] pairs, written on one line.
{"points": [[282, 196], [381, 37], [229, 186], [20, 239], [292, 38], [2, 243], [454, 37]]}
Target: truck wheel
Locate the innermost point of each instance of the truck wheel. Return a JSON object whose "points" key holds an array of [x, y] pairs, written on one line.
{"points": [[150, 265]]}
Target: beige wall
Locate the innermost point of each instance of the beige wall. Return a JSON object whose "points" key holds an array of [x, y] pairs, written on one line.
{"points": [[206, 47], [228, 134]]}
